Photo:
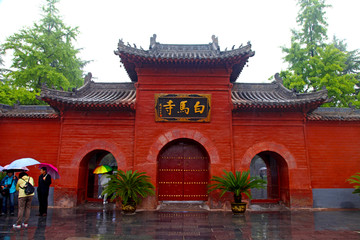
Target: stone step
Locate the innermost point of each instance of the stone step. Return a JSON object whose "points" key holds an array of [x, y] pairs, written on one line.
{"points": [[182, 206], [267, 207]]}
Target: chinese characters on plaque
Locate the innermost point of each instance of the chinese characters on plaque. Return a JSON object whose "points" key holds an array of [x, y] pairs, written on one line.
{"points": [[182, 107]]}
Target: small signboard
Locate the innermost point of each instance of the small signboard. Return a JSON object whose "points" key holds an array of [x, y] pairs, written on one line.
{"points": [[182, 107]]}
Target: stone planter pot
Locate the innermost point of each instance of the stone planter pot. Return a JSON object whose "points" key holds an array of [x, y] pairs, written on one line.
{"points": [[238, 207], [129, 208]]}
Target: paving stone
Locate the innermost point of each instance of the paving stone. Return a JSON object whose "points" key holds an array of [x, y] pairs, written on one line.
{"points": [[109, 223]]}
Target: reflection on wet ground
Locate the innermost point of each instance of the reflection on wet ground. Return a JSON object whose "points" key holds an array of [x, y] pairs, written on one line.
{"points": [[111, 224]]}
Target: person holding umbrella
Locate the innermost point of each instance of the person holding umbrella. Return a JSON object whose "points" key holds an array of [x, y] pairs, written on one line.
{"points": [[105, 170], [24, 200], [43, 191], [9, 185]]}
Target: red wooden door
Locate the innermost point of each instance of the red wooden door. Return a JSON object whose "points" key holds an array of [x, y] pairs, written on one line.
{"points": [[183, 173]]}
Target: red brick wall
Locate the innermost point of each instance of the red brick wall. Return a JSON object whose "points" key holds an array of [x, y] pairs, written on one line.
{"points": [[151, 136], [84, 132], [314, 154], [280, 133], [34, 138], [334, 152]]}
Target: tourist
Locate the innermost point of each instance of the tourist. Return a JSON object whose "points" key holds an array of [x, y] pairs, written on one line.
{"points": [[43, 191], [24, 201], [105, 178], [9, 183]]}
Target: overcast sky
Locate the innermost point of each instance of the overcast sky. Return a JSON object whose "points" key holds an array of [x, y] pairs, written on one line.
{"points": [[266, 24]]}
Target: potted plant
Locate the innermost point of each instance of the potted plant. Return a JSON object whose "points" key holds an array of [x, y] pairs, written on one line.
{"points": [[355, 179], [131, 187], [237, 184]]}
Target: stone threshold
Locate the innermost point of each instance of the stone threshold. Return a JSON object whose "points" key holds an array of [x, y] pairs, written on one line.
{"points": [[182, 206]]}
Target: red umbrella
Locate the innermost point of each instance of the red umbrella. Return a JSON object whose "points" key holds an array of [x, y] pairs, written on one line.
{"points": [[51, 170]]}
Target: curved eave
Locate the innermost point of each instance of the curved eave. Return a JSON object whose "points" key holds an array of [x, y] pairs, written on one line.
{"points": [[281, 99], [335, 115], [316, 117], [290, 106], [235, 59], [30, 115], [92, 95], [58, 104], [128, 57]]}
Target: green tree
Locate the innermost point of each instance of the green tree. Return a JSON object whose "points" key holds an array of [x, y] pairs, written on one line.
{"points": [[315, 64], [353, 57], [44, 54], [352, 62], [10, 94], [313, 24], [2, 70]]}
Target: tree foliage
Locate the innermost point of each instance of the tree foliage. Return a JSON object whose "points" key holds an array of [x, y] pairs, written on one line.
{"points": [[44, 54], [10, 95], [315, 64], [355, 179]]}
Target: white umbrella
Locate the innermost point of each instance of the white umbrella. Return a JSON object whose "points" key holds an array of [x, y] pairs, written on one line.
{"points": [[14, 170], [1, 168], [23, 162]]}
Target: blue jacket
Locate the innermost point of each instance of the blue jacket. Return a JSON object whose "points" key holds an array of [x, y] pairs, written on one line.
{"points": [[7, 181]]}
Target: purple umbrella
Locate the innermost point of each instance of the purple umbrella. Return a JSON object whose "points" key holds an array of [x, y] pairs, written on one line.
{"points": [[51, 170]]}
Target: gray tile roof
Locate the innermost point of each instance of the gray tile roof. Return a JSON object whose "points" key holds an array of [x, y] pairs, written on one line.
{"points": [[273, 96], [245, 96], [198, 54], [334, 114], [93, 96], [27, 111]]}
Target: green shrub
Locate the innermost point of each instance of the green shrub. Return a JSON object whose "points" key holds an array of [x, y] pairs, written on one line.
{"points": [[355, 179], [129, 186], [237, 184]]}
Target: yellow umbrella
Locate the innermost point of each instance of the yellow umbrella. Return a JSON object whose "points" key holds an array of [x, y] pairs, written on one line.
{"points": [[102, 169]]}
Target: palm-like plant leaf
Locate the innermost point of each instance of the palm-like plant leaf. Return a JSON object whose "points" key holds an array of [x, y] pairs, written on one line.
{"points": [[239, 183], [129, 186], [355, 179]]}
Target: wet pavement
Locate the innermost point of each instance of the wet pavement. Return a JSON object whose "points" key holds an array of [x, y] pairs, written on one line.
{"points": [[109, 223]]}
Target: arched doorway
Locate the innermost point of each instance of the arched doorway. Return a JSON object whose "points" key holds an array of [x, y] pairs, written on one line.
{"points": [[183, 171], [89, 187], [273, 168]]}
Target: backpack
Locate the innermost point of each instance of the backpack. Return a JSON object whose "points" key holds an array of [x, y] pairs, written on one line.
{"points": [[28, 188]]}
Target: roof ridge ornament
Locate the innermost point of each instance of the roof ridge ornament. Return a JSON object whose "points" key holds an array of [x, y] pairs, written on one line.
{"points": [[352, 107], [278, 79], [215, 43], [87, 78], [152, 41]]}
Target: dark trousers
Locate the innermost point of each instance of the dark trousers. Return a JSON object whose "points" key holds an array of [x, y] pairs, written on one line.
{"points": [[11, 198], [43, 202]]}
